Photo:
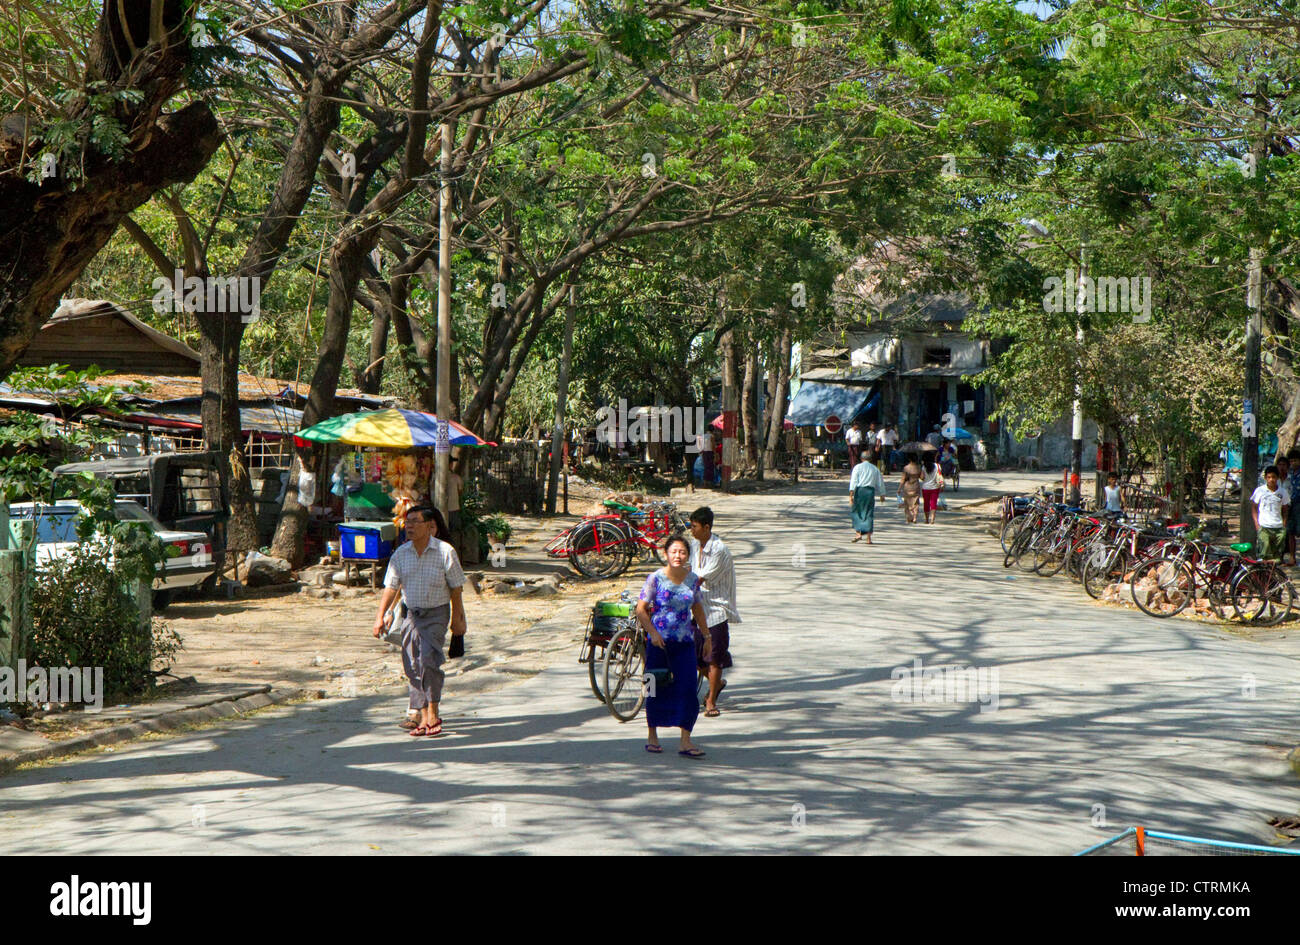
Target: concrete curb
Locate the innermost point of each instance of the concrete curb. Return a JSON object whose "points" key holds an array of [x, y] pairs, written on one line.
{"points": [[222, 707]]}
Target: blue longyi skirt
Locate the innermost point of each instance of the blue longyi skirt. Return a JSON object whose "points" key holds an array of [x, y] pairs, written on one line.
{"points": [[678, 705]]}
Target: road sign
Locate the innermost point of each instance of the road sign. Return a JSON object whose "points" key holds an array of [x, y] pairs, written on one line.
{"points": [[443, 442], [833, 424], [1248, 425]]}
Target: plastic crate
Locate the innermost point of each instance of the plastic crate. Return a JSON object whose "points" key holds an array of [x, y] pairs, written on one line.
{"points": [[363, 544]]}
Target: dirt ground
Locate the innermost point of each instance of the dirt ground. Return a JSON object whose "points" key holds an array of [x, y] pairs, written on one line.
{"points": [[290, 640]]}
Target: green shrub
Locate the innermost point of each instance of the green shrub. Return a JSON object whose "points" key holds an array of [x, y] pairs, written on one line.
{"points": [[83, 614]]}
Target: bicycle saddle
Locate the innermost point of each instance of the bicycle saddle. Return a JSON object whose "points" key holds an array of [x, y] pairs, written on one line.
{"points": [[1241, 547], [611, 504]]}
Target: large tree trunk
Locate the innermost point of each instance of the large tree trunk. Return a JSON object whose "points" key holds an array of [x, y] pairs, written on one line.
{"points": [[373, 375], [748, 415], [50, 231], [222, 429], [778, 393], [346, 261], [49, 234]]}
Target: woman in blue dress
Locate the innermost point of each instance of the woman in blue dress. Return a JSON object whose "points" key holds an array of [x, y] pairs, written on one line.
{"points": [[670, 609]]}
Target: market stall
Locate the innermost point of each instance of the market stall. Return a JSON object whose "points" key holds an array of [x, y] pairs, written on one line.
{"points": [[388, 471]]}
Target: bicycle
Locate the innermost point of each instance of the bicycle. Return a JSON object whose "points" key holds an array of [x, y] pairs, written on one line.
{"points": [[603, 546], [626, 683], [1178, 579], [1262, 593], [607, 617]]}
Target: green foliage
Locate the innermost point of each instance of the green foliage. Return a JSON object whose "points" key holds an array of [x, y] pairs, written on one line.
{"points": [[32, 444], [83, 614]]}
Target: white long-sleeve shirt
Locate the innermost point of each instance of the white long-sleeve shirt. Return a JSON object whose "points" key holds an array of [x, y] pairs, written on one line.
{"points": [[866, 474], [715, 566]]}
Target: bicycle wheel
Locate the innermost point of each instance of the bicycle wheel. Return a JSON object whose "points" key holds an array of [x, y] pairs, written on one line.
{"points": [[1163, 587], [1050, 556], [1010, 531], [1026, 546], [599, 549], [624, 673], [1263, 596], [595, 673], [1104, 567]]}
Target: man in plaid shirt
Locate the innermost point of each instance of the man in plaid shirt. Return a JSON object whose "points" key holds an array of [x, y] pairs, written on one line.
{"points": [[428, 572]]}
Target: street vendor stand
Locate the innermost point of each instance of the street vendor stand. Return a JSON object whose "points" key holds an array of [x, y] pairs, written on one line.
{"points": [[394, 461]]}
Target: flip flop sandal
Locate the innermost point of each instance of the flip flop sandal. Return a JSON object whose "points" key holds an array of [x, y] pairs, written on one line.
{"points": [[692, 753], [712, 713], [408, 725], [435, 729], [418, 731], [655, 749]]}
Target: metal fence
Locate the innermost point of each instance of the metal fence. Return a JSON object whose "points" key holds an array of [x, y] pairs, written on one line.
{"points": [[1138, 841], [510, 477]]}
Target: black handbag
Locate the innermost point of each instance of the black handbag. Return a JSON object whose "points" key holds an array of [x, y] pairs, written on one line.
{"points": [[457, 647], [663, 678]]}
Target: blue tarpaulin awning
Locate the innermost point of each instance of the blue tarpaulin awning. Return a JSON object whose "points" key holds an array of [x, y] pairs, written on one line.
{"points": [[817, 400]]}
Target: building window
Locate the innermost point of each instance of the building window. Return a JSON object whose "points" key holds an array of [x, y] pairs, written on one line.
{"points": [[939, 357]]}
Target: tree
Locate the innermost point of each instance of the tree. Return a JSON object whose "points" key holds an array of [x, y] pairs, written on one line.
{"points": [[85, 140]]}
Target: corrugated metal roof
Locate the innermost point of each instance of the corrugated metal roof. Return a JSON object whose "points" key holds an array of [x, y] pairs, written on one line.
{"points": [[274, 418], [252, 389], [846, 375]]}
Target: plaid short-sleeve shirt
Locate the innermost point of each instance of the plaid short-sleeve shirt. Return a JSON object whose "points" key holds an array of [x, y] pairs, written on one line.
{"points": [[426, 579]]}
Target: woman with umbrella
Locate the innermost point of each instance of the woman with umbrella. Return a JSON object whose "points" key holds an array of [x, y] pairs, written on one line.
{"points": [[865, 483]]}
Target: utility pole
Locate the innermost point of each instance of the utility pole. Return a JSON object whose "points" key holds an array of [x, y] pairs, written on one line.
{"points": [[728, 407], [1076, 447], [442, 463], [561, 396], [1249, 429]]}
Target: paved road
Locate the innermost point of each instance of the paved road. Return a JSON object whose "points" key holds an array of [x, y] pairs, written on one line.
{"points": [[1155, 720]]}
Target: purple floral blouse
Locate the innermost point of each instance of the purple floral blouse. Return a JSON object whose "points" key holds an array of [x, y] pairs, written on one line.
{"points": [[671, 605]]}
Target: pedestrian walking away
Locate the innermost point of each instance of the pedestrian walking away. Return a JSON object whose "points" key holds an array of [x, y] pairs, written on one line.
{"points": [[712, 563], [909, 488], [429, 576], [865, 483], [669, 602], [931, 486]]}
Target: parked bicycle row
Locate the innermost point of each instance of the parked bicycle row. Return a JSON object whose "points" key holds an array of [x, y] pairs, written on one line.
{"points": [[1162, 569]]}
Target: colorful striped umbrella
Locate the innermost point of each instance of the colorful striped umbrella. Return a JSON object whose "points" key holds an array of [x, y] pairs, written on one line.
{"points": [[393, 429]]}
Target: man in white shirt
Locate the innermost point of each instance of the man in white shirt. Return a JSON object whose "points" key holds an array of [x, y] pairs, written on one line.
{"points": [[1270, 503], [711, 562], [853, 439], [865, 483], [429, 574], [888, 442], [705, 443]]}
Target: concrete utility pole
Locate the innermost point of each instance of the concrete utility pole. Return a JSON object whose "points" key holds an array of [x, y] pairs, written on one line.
{"points": [[1249, 430], [1076, 447], [728, 406], [561, 397], [442, 461]]}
